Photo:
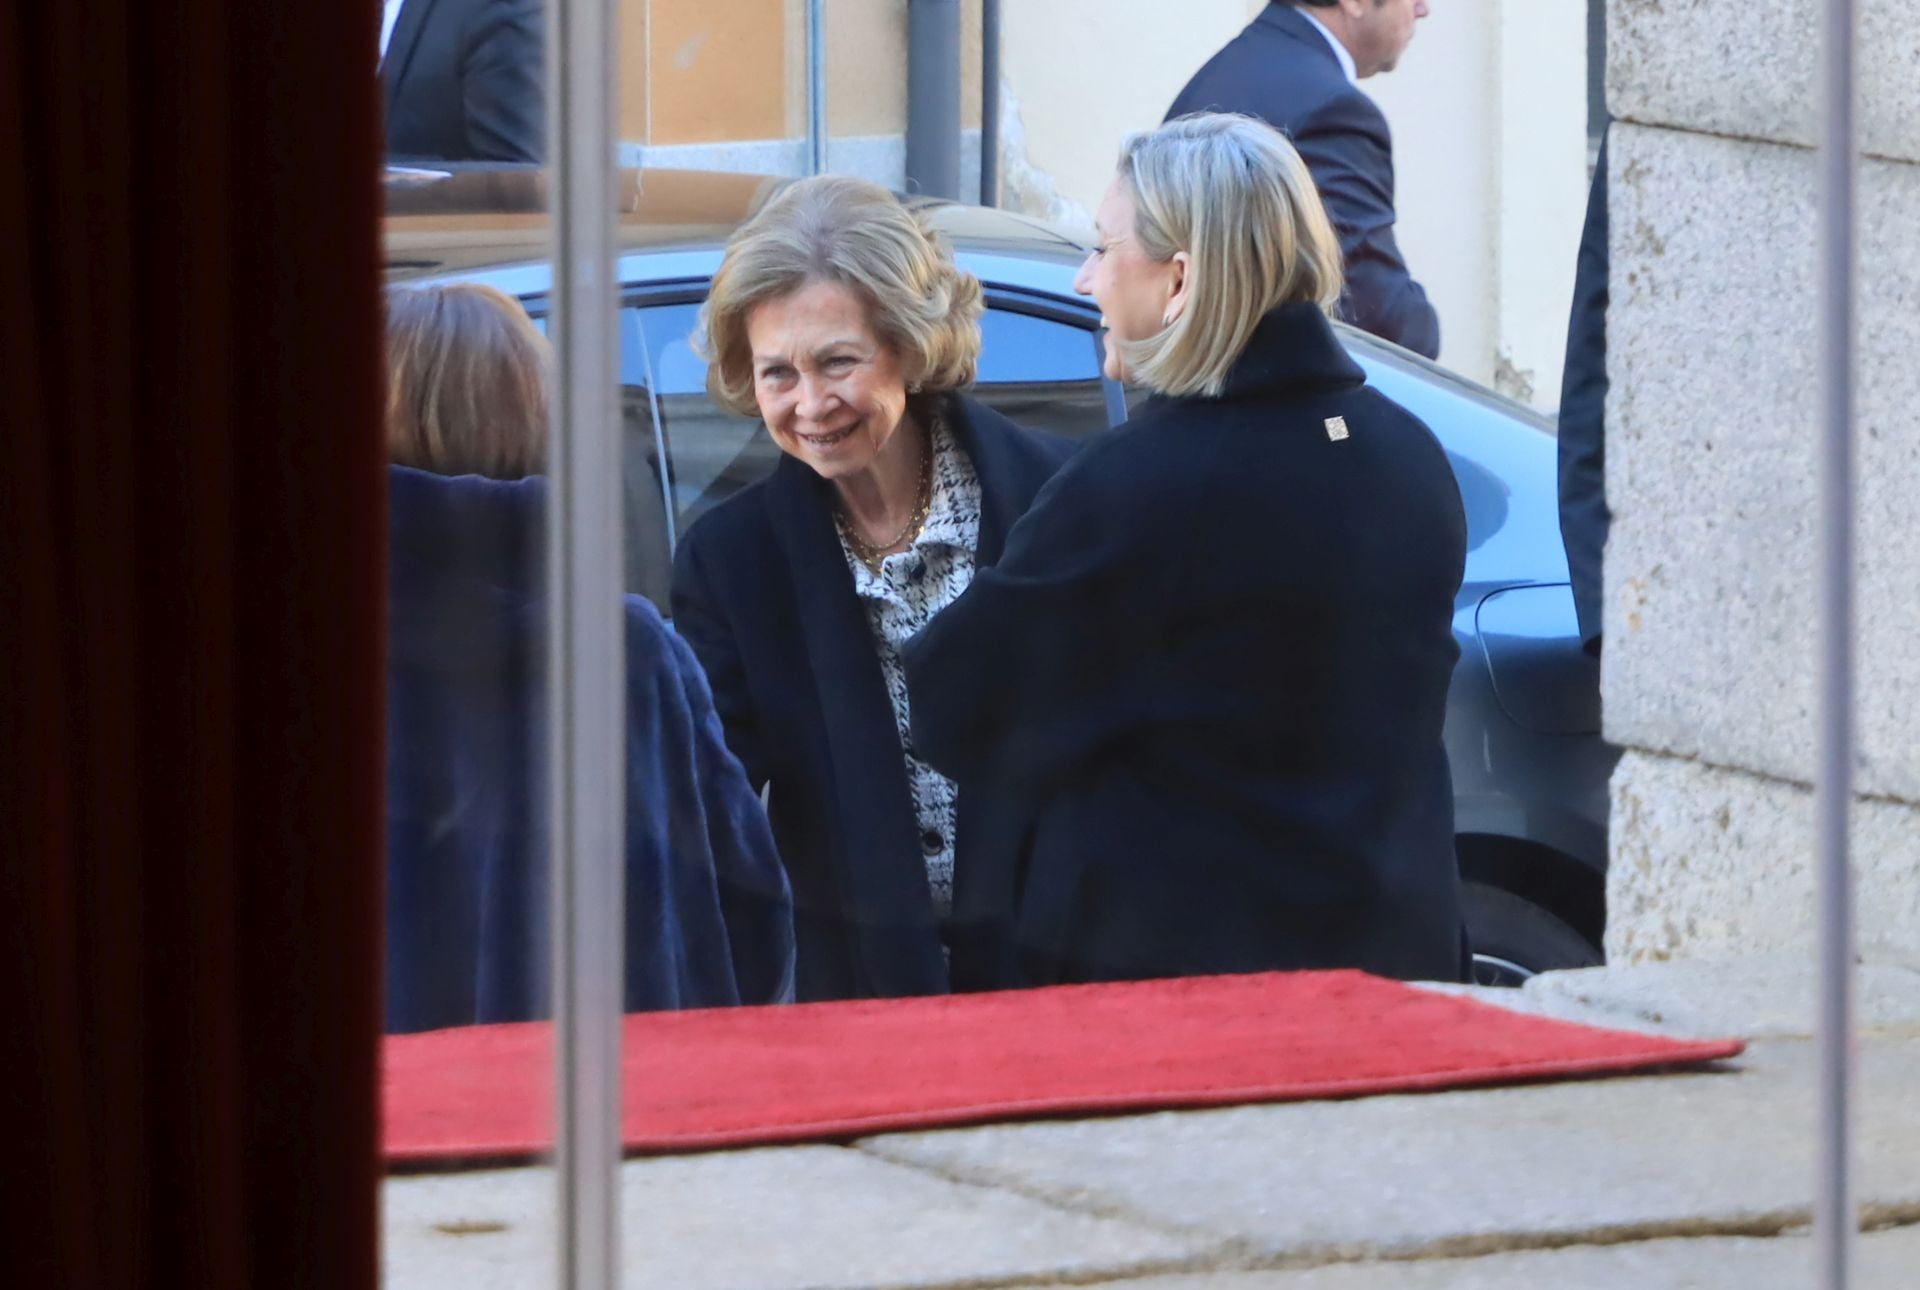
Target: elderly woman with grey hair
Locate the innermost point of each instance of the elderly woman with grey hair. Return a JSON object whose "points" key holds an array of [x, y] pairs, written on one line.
{"points": [[1212, 664], [841, 321]]}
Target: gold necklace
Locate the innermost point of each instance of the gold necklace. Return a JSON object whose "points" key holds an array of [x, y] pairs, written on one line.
{"points": [[874, 554]]}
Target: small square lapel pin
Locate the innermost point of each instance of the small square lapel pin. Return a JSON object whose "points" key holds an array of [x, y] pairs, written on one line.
{"points": [[1336, 428]]}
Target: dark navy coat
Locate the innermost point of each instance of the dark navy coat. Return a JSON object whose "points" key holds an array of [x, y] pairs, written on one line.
{"points": [[1281, 70], [762, 592], [1212, 666], [1584, 516], [709, 920]]}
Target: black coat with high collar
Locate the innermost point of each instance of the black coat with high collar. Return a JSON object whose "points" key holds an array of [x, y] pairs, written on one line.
{"points": [[762, 592], [1204, 685]]}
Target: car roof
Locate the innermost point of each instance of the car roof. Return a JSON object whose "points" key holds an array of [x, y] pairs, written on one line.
{"points": [[491, 224], [453, 220], [457, 220]]}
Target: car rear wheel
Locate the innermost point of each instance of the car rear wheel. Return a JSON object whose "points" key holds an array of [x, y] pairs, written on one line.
{"points": [[1513, 939]]}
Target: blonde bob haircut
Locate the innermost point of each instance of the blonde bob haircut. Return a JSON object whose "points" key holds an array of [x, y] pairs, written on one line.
{"points": [[831, 228], [467, 378], [1232, 193]]}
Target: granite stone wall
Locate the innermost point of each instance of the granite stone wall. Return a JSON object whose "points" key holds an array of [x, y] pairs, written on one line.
{"points": [[1709, 670]]}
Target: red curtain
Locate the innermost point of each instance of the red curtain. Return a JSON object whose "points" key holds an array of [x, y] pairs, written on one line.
{"points": [[191, 624]]}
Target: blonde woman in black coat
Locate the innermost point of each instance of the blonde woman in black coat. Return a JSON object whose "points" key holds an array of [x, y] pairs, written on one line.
{"points": [[1212, 662]]}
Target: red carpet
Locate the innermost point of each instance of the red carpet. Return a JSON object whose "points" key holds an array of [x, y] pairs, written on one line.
{"points": [[825, 1071]]}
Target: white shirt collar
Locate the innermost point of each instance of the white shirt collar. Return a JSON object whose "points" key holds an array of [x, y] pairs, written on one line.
{"points": [[387, 19], [1339, 50]]}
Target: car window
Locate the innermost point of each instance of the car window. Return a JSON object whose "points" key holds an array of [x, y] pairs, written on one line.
{"points": [[1041, 372], [1037, 371], [646, 532], [713, 453]]}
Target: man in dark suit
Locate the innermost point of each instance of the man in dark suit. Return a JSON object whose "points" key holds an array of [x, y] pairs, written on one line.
{"points": [[464, 80], [1296, 67]]}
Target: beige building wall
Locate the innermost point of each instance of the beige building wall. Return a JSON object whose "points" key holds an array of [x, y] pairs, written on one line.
{"points": [[693, 72], [1488, 110], [722, 84], [1489, 115], [1443, 104], [716, 71], [1078, 76]]}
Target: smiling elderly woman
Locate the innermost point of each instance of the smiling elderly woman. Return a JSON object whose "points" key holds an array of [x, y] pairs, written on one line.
{"points": [[839, 320]]}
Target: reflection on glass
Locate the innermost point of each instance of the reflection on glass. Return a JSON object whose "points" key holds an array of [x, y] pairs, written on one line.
{"points": [[468, 870], [468, 889], [1527, 771], [714, 453], [467, 436]]}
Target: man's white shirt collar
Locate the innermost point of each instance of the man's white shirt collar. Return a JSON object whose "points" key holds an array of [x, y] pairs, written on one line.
{"points": [[1339, 50]]}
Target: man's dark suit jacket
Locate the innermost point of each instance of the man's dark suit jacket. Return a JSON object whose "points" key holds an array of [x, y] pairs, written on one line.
{"points": [[762, 593], [1204, 685], [1281, 70], [1584, 517], [464, 81]]}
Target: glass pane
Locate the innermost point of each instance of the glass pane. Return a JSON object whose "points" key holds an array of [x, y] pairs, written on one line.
{"points": [[1490, 112], [469, 875], [647, 535], [714, 454], [1041, 373]]}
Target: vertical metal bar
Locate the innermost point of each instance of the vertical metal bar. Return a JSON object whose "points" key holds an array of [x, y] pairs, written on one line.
{"points": [[1834, 1217], [933, 98], [989, 102], [816, 87], [587, 665]]}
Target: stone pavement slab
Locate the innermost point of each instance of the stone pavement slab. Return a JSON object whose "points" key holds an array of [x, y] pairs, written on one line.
{"points": [[1758, 996], [1610, 1159], [1755, 997], [1885, 1261], [1694, 1179], [813, 1217]]}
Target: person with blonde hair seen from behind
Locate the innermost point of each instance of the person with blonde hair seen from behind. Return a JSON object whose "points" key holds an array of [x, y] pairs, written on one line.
{"points": [[709, 919], [1214, 657], [840, 320]]}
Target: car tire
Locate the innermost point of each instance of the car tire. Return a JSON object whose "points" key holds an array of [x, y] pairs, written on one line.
{"points": [[1512, 938]]}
